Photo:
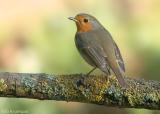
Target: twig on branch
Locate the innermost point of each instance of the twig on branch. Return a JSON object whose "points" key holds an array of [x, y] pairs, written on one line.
{"points": [[96, 89]]}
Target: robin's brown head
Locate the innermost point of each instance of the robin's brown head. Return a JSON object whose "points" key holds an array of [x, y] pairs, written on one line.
{"points": [[85, 22]]}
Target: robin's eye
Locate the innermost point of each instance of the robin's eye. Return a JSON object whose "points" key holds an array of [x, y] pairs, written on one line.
{"points": [[85, 20]]}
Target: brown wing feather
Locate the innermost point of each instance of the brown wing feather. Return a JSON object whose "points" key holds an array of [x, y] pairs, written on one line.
{"points": [[119, 58]]}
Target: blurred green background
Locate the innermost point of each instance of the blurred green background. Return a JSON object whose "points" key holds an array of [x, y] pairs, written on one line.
{"points": [[36, 36]]}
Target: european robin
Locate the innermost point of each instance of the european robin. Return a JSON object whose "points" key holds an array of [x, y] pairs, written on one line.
{"points": [[96, 46]]}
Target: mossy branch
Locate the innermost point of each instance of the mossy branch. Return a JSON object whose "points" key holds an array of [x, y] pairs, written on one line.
{"points": [[96, 89]]}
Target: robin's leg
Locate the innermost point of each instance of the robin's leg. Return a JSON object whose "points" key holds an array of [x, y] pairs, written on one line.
{"points": [[91, 71], [109, 71]]}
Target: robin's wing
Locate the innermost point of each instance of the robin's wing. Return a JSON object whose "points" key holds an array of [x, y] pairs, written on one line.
{"points": [[111, 48], [119, 58], [114, 57], [92, 52], [96, 55]]}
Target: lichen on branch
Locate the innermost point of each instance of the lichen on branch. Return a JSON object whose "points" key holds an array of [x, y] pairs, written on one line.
{"points": [[96, 89]]}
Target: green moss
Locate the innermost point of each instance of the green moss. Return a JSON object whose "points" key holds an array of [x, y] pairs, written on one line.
{"points": [[91, 87], [46, 89], [20, 91], [3, 85], [138, 95], [114, 95], [66, 89], [29, 82], [29, 85]]}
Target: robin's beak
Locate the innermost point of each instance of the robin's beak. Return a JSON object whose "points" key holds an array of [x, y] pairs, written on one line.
{"points": [[73, 19]]}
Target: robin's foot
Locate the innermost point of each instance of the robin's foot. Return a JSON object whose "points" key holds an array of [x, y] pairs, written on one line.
{"points": [[91, 71], [109, 71], [107, 78]]}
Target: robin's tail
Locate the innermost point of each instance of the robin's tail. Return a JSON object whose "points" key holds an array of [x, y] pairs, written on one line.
{"points": [[119, 74], [120, 77]]}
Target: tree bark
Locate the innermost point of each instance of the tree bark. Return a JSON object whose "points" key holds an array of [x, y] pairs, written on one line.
{"points": [[96, 89]]}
